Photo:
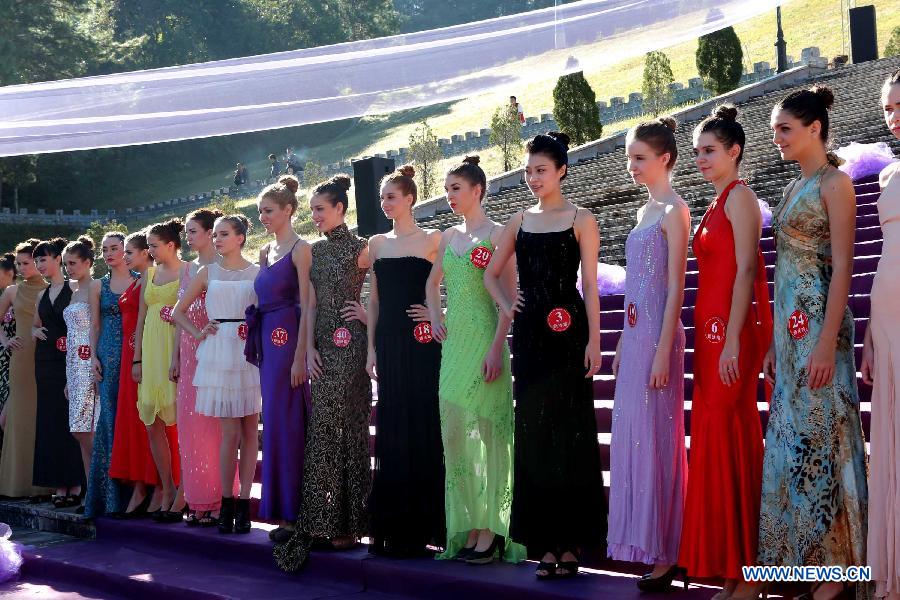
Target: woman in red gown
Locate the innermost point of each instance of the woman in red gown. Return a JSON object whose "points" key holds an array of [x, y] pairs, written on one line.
{"points": [[732, 330], [131, 459]]}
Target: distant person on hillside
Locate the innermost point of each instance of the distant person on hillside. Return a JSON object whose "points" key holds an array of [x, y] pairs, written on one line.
{"points": [[274, 167], [240, 174], [292, 161], [520, 113]]}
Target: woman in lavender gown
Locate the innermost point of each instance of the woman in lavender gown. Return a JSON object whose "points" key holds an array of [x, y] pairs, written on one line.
{"points": [[276, 344], [648, 464]]}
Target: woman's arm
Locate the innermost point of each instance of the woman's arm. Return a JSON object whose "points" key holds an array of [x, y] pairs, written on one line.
{"points": [[302, 257], [136, 370], [676, 226], [506, 249], [492, 366], [589, 246], [38, 331], [433, 290], [6, 300], [742, 210], [96, 325], [193, 291], [840, 203], [372, 308]]}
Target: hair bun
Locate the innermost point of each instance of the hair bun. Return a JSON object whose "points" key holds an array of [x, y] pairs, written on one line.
{"points": [[290, 182], [824, 93], [175, 225], [727, 112], [472, 160], [669, 122], [59, 244], [342, 180], [407, 170], [560, 137], [87, 241]]}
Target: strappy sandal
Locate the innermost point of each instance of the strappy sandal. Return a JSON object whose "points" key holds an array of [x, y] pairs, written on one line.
{"points": [[566, 569], [192, 519], [548, 568], [59, 501], [207, 520]]}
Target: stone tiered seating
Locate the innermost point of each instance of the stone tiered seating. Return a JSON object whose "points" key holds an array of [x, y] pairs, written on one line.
{"points": [[142, 559]]}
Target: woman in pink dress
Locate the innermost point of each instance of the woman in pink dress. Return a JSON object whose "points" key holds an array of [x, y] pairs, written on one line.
{"points": [[199, 436], [881, 357]]}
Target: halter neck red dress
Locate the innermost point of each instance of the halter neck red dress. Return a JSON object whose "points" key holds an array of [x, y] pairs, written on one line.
{"points": [[721, 517]]}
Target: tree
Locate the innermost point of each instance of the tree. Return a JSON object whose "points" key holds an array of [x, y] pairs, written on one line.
{"points": [[17, 172], [575, 108], [313, 174], [720, 60], [506, 134], [893, 45], [425, 153], [657, 79]]}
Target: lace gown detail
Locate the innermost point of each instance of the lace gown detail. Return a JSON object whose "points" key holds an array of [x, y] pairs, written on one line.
{"points": [[476, 417], [337, 475]]}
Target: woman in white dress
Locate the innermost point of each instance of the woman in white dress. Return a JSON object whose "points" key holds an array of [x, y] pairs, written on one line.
{"points": [[227, 385]]}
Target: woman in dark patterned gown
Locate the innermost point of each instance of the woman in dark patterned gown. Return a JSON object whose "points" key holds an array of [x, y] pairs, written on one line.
{"points": [[336, 477], [8, 324]]}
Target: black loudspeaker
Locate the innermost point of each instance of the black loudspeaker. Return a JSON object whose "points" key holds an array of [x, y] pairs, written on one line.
{"points": [[863, 35], [367, 175]]}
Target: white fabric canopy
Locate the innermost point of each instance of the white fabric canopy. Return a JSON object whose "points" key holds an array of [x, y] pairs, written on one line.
{"points": [[350, 79]]}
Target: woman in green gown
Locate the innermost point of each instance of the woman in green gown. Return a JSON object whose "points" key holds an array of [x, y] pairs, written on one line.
{"points": [[475, 383]]}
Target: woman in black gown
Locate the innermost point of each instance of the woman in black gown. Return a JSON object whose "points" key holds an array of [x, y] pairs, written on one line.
{"points": [[57, 455], [406, 505], [558, 505]]}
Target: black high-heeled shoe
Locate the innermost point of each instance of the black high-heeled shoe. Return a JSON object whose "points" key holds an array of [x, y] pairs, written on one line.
{"points": [[139, 511], [226, 516], [569, 568], [242, 515], [464, 553], [664, 581], [484, 557]]}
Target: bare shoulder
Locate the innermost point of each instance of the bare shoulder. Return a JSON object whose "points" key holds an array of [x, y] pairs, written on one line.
{"points": [[584, 216], [888, 173], [742, 196], [836, 185]]}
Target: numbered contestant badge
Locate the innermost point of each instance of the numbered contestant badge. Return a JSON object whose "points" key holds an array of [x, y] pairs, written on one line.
{"points": [[279, 336], [61, 344], [798, 325], [242, 331], [559, 320], [422, 333], [480, 257], [341, 337], [165, 313], [714, 330], [632, 315], [84, 352]]}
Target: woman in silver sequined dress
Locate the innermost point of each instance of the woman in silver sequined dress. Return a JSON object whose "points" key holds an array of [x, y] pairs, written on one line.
{"points": [[81, 389]]}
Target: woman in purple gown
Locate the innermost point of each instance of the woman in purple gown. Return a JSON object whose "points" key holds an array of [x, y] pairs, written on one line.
{"points": [[648, 465], [276, 344]]}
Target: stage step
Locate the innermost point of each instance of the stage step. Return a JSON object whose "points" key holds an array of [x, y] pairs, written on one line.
{"points": [[139, 559], [44, 517]]}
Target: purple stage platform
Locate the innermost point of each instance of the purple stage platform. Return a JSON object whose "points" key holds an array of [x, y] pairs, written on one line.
{"points": [[142, 559]]}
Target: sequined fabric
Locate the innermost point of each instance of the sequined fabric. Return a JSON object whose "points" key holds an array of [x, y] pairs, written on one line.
{"points": [[8, 324], [84, 407], [104, 493], [648, 462], [199, 436]]}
